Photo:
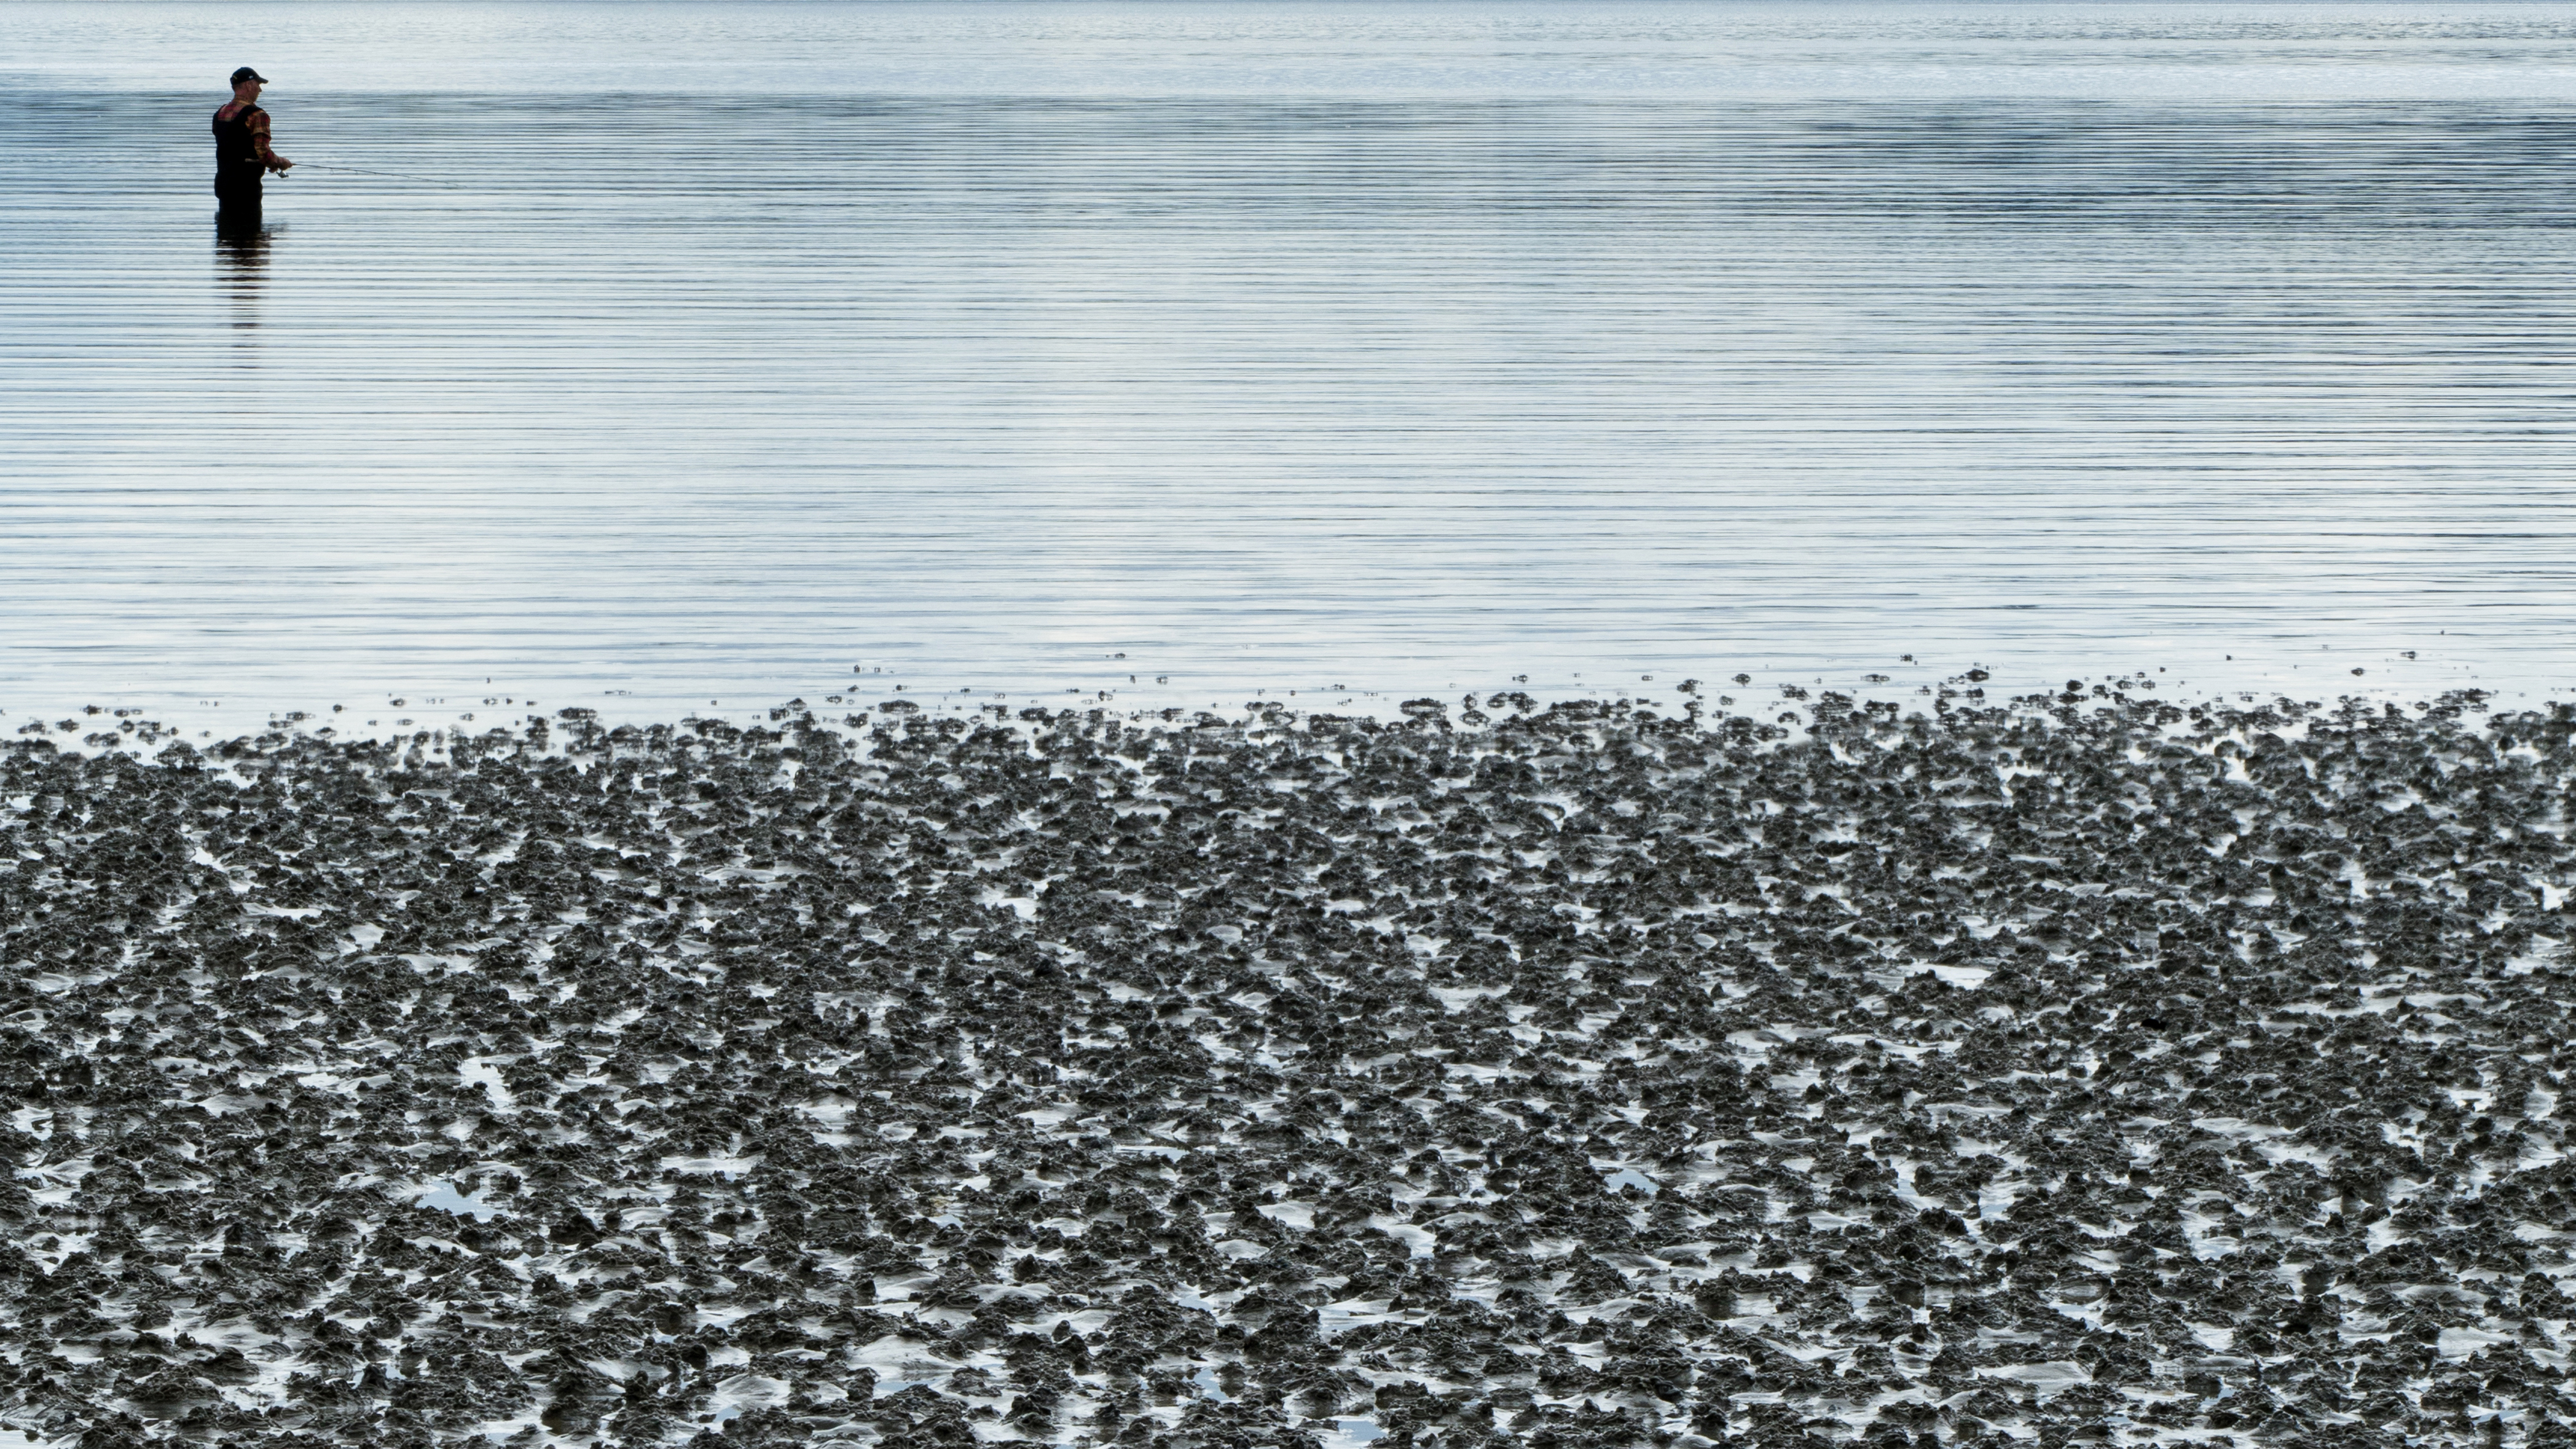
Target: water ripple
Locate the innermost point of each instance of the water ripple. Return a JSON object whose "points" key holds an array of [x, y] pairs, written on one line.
{"points": [[1350, 376]]}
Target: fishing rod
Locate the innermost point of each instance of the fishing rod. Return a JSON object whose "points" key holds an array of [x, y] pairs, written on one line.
{"points": [[361, 171]]}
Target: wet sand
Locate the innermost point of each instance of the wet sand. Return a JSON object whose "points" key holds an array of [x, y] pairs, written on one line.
{"points": [[2080, 1069]]}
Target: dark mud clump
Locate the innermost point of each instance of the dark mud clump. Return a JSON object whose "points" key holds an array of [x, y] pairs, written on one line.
{"points": [[2082, 1071]]}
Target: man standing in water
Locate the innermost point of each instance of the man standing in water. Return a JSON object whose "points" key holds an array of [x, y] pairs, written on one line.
{"points": [[242, 154]]}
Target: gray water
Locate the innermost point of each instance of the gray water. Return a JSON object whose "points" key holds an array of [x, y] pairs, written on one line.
{"points": [[709, 352]]}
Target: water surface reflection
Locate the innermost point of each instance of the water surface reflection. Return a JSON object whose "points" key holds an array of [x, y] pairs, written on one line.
{"points": [[242, 240]]}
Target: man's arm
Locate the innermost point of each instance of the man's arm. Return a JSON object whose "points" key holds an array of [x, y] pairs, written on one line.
{"points": [[259, 138]]}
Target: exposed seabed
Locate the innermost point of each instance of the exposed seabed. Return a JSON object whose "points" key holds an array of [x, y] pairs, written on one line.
{"points": [[2078, 1065]]}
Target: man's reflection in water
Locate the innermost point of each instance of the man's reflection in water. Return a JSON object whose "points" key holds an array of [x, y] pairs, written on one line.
{"points": [[241, 259]]}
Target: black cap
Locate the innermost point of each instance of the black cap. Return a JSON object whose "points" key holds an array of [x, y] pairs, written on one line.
{"points": [[247, 74]]}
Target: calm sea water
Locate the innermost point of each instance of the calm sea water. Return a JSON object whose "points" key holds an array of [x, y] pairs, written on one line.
{"points": [[702, 352]]}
